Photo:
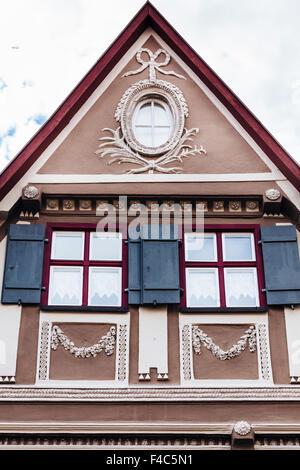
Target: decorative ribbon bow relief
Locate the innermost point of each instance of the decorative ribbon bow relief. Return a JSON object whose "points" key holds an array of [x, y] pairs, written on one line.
{"points": [[153, 64]]}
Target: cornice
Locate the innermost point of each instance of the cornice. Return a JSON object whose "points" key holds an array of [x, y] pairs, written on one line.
{"points": [[145, 394], [84, 427]]}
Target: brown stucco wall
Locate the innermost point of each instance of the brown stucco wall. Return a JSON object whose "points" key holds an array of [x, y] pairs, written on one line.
{"points": [[28, 345], [152, 412], [65, 366], [278, 345], [206, 366]]}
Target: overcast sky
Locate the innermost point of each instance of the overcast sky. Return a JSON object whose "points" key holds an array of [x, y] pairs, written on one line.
{"points": [[47, 46]]}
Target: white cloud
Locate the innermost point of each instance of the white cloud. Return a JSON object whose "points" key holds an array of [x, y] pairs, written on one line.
{"points": [[47, 46]]}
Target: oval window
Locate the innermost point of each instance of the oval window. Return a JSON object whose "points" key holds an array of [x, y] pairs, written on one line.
{"points": [[152, 123]]}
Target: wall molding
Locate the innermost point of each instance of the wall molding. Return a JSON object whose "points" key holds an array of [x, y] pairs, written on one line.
{"points": [[209, 206], [138, 427], [154, 178], [92, 393], [116, 428]]}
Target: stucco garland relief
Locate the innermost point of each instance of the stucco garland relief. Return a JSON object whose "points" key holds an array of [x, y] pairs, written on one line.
{"points": [[106, 343], [199, 337], [123, 147], [51, 336], [255, 336]]}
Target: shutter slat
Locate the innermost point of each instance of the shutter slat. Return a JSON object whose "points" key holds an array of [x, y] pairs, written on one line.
{"points": [[281, 264], [24, 264]]}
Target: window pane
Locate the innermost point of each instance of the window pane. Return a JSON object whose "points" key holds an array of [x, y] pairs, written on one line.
{"points": [[67, 245], [241, 287], [238, 247], [106, 246], [160, 135], [144, 135], [202, 287], [105, 286], [143, 116], [161, 116], [152, 123], [200, 247], [65, 287]]}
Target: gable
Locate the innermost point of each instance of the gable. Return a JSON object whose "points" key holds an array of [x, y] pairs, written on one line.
{"points": [[227, 151], [275, 165]]}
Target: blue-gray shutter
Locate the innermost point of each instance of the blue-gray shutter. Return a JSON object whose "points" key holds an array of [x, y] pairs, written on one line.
{"points": [[134, 271], [153, 268], [281, 264], [24, 264]]}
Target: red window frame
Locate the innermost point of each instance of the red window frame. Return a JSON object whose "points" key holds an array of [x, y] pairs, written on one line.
{"points": [[85, 263], [220, 264]]}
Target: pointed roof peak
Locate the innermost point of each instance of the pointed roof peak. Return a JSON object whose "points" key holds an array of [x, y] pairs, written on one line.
{"points": [[147, 16]]}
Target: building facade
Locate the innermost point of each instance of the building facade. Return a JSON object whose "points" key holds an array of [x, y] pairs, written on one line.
{"points": [[149, 261]]}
